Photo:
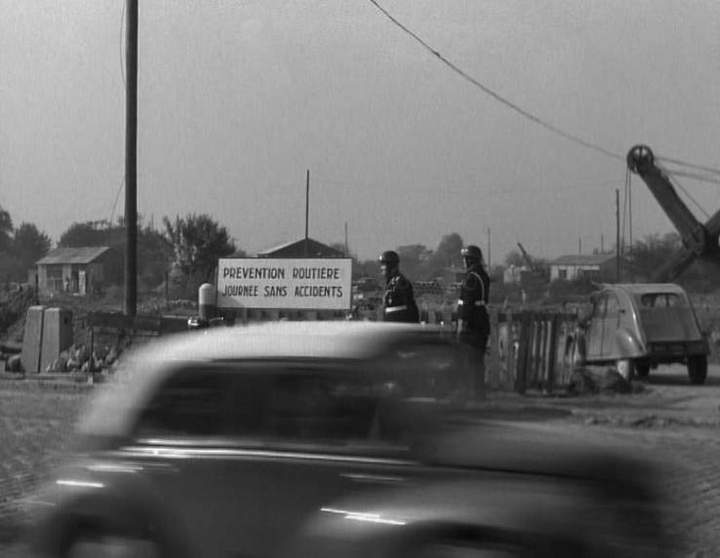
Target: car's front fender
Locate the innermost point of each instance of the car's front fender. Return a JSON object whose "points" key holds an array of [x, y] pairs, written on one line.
{"points": [[628, 345], [382, 526]]}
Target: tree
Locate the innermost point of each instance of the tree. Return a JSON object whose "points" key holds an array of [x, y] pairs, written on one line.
{"points": [[6, 230], [413, 258], [154, 253], [514, 257], [29, 244], [446, 255], [653, 252], [92, 233], [197, 242]]}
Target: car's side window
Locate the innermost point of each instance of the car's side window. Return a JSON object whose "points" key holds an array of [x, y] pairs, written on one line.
{"points": [[310, 406], [191, 402], [598, 310], [316, 407], [612, 307]]}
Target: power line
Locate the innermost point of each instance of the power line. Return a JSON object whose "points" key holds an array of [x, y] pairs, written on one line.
{"points": [[117, 197], [537, 120], [689, 196], [694, 176], [122, 46], [689, 165]]}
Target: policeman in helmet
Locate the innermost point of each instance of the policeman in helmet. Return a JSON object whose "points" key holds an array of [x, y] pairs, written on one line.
{"points": [[473, 318], [398, 300]]}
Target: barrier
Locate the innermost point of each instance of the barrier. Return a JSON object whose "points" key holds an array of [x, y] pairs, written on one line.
{"points": [[531, 350]]}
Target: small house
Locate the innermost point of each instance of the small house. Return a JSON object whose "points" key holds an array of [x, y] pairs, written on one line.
{"points": [[79, 270], [595, 267], [303, 248]]}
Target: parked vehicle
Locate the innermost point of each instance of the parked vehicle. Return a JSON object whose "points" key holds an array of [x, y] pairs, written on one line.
{"points": [[641, 325], [329, 439]]}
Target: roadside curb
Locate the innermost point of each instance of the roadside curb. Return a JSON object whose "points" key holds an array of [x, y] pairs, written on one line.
{"points": [[67, 383]]}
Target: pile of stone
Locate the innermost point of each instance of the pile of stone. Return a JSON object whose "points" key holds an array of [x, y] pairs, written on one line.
{"points": [[589, 381], [79, 358]]}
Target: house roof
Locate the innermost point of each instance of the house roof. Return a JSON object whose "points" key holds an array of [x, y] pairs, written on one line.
{"points": [[583, 259], [79, 255], [296, 249]]}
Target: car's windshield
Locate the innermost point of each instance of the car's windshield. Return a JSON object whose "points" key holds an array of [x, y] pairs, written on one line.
{"points": [[662, 300]]}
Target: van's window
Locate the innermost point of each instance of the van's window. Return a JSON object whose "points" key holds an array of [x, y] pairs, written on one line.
{"points": [[662, 300]]}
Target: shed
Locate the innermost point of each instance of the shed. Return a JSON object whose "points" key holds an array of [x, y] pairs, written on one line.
{"points": [[79, 270], [596, 267], [303, 248]]}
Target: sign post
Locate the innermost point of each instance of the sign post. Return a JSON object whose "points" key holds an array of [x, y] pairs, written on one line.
{"points": [[284, 284]]}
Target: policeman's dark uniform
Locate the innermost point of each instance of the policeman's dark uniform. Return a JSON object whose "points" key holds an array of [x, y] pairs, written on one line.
{"points": [[474, 321], [472, 306], [398, 300]]}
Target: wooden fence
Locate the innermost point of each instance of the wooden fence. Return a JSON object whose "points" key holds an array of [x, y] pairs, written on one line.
{"points": [[531, 350]]}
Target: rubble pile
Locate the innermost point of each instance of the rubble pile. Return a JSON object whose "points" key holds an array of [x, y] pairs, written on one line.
{"points": [[79, 358]]}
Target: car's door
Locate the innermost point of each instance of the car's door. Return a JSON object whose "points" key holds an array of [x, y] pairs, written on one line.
{"points": [[596, 328], [244, 453], [610, 322]]}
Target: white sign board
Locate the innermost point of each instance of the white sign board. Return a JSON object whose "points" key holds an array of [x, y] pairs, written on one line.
{"points": [[285, 284]]}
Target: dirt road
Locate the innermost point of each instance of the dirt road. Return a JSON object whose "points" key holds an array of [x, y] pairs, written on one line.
{"points": [[674, 421]]}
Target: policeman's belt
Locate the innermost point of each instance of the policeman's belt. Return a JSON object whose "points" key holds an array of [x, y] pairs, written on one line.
{"points": [[476, 303], [395, 309]]}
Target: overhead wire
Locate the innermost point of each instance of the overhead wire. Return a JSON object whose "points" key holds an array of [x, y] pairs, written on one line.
{"points": [[487, 90], [694, 176], [679, 186], [117, 197], [679, 162], [123, 53]]}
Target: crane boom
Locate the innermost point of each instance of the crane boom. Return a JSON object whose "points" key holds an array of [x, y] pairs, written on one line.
{"points": [[527, 258], [700, 240]]}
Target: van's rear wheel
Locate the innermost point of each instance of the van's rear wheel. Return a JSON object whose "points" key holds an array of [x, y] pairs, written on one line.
{"points": [[642, 369], [697, 369]]}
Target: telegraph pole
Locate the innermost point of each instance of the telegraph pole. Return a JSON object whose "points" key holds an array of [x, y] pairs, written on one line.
{"points": [[489, 249], [307, 212], [130, 306], [617, 235]]}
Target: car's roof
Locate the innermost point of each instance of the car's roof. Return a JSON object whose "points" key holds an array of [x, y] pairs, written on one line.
{"points": [[275, 340], [645, 288], [146, 367]]}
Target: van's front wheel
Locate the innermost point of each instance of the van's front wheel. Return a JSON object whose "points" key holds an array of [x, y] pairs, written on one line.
{"points": [[642, 369]]}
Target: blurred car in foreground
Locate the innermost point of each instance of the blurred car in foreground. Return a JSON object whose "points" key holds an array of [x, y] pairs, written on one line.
{"points": [[329, 439], [640, 325]]}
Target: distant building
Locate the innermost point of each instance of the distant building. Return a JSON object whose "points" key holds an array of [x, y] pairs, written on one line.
{"points": [[79, 270], [512, 275], [595, 267], [303, 248]]}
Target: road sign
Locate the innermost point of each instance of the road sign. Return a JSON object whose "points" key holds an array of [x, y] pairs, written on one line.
{"points": [[285, 284]]}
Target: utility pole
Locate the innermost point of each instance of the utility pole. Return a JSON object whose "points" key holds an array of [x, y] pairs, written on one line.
{"points": [[579, 244], [489, 250], [307, 212], [347, 250], [617, 235], [130, 306], [630, 216]]}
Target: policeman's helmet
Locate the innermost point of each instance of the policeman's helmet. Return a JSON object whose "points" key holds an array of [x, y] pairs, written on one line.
{"points": [[390, 258], [471, 252]]}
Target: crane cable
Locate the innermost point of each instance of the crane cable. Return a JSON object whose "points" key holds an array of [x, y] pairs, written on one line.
{"points": [[674, 182], [467, 77]]}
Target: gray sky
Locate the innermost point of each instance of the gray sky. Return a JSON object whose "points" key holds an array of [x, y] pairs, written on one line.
{"points": [[238, 98]]}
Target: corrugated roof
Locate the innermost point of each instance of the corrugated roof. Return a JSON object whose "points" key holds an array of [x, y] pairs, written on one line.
{"points": [[296, 248], [79, 255], [583, 259]]}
